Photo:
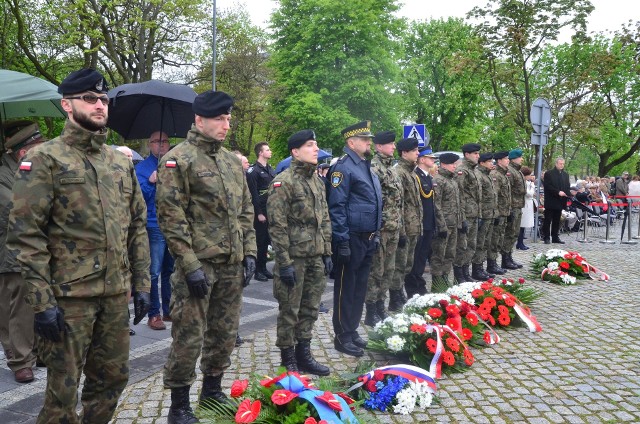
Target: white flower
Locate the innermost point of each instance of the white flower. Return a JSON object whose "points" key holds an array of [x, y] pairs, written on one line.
{"points": [[568, 279], [555, 253], [552, 266], [539, 256], [425, 301], [463, 291], [417, 319], [406, 401], [395, 343]]}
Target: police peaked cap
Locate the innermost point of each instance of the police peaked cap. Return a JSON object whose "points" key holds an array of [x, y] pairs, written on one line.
{"points": [[83, 80], [361, 129], [425, 151], [485, 157], [212, 103], [407, 144], [500, 155], [298, 139], [471, 147], [449, 158], [384, 137], [515, 153]]}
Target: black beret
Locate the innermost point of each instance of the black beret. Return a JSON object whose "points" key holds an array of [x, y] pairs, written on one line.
{"points": [[485, 157], [212, 103], [471, 147], [361, 129], [384, 137], [449, 158], [500, 155], [407, 144], [83, 80], [298, 139]]}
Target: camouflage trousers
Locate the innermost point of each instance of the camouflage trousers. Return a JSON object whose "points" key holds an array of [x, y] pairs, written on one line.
{"points": [[96, 342], [444, 250], [298, 306], [208, 325], [16, 321], [483, 241], [404, 262], [467, 243], [512, 230], [382, 267], [497, 238]]}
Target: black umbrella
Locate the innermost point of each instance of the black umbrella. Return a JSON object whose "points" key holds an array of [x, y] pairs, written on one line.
{"points": [[139, 109]]}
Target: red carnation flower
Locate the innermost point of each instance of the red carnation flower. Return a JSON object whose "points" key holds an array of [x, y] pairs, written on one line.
{"points": [[247, 411], [283, 396], [432, 345], [472, 318], [467, 334], [238, 387], [477, 293], [378, 375], [564, 265], [487, 337], [443, 302], [453, 310], [464, 308], [453, 344], [468, 357], [521, 280], [490, 281], [486, 285], [448, 358], [371, 386], [329, 399], [504, 320], [435, 313]]}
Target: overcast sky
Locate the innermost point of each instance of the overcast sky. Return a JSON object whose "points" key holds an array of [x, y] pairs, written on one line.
{"points": [[608, 14]]}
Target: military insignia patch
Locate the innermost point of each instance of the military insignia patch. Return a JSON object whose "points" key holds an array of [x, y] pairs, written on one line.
{"points": [[277, 184], [508, 174], [250, 170], [459, 172], [336, 178], [170, 164], [25, 166]]}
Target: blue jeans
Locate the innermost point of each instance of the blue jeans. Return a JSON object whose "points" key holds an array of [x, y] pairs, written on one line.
{"points": [[161, 266]]}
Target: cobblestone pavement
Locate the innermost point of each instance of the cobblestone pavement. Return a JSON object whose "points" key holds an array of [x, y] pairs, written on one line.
{"points": [[584, 367]]}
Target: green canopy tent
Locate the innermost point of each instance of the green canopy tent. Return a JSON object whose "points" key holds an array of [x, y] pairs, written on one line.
{"points": [[23, 95]]}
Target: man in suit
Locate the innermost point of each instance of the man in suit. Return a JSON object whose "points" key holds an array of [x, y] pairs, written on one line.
{"points": [[556, 189]]}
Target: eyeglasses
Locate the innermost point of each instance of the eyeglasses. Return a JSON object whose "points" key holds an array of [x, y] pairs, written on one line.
{"points": [[91, 99]]}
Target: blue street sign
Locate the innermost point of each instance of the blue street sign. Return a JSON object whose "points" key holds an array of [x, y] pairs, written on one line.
{"points": [[417, 131]]}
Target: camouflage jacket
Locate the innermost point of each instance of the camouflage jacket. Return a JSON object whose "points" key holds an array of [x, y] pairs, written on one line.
{"points": [[411, 203], [489, 195], [469, 185], [8, 168], [503, 190], [299, 223], [78, 220], [391, 192], [518, 187], [204, 204], [447, 199]]}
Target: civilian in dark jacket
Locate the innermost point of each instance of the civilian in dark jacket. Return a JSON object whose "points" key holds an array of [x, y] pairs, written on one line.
{"points": [[556, 191]]}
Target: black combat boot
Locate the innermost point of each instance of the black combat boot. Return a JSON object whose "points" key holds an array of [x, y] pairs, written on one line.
{"points": [[467, 276], [493, 268], [395, 300], [288, 356], [371, 318], [458, 275], [507, 263], [519, 265], [212, 390], [180, 411], [478, 273], [382, 311], [306, 361]]}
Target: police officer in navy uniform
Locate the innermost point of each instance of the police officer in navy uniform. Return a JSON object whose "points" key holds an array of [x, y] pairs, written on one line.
{"points": [[414, 283], [259, 176], [355, 208]]}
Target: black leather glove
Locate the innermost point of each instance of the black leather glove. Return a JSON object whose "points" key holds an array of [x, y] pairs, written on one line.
{"points": [[249, 263], [496, 221], [344, 253], [198, 283], [480, 222], [510, 217], [141, 305], [464, 228], [328, 264], [49, 324], [442, 234], [288, 275], [402, 242]]}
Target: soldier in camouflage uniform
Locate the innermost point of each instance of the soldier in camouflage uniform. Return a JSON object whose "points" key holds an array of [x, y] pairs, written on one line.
{"points": [[518, 191], [16, 316], [300, 231], [78, 226], [411, 220], [205, 212], [470, 196], [503, 190], [449, 217], [383, 265], [486, 216]]}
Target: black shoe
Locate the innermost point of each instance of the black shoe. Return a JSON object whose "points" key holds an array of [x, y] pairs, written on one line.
{"points": [[359, 341], [547, 241], [347, 347], [306, 362], [239, 340], [522, 247], [267, 274], [557, 241], [322, 309], [132, 332], [260, 277]]}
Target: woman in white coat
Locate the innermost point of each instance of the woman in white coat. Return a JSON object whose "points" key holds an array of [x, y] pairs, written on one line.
{"points": [[527, 210]]}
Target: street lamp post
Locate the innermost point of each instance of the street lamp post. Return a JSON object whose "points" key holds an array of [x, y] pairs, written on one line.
{"points": [[213, 64]]}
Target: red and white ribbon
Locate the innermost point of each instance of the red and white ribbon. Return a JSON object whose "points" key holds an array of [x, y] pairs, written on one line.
{"points": [[595, 273], [494, 338]]}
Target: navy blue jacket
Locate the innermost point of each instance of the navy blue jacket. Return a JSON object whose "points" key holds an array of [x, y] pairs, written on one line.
{"points": [[144, 170], [426, 196], [355, 197]]}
